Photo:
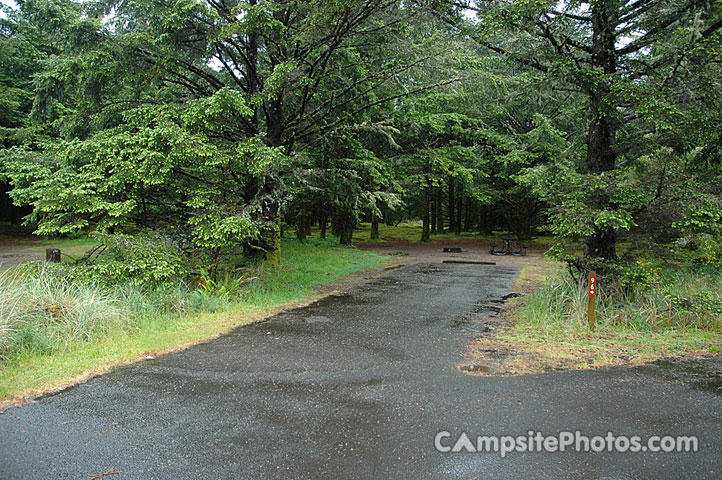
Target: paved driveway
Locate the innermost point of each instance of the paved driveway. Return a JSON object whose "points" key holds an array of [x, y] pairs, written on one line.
{"points": [[357, 386]]}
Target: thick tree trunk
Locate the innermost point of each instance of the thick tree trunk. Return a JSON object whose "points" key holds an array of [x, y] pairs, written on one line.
{"points": [[303, 228], [322, 224], [601, 155], [269, 240], [452, 204], [374, 227], [484, 221], [274, 119], [337, 224], [346, 236], [425, 230]]}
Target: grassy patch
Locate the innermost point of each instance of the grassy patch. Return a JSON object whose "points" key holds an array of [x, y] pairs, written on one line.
{"points": [[53, 332], [75, 247], [535, 269], [549, 328], [405, 231], [411, 232]]}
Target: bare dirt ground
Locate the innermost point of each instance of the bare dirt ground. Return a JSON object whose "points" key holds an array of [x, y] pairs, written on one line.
{"points": [[13, 253], [471, 249]]}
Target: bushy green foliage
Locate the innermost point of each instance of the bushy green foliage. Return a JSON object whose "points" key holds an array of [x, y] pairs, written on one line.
{"points": [[214, 122], [145, 259], [162, 166]]}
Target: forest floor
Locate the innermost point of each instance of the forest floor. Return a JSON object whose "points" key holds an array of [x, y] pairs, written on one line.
{"points": [[17, 250], [18, 245]]}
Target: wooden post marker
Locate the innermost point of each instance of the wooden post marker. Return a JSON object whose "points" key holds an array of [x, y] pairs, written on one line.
{"points": [[592, 299]]}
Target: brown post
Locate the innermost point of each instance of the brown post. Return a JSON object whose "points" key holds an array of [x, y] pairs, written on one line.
{"points": [[592, 299]]}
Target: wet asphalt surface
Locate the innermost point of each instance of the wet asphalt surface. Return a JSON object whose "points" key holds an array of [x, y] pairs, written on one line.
{"points": [[357, 386]]}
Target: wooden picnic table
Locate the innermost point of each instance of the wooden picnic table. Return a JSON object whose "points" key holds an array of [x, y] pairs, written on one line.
{"points": [[511, 246]]}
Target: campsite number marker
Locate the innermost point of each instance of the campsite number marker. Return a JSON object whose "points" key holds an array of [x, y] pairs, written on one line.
{"points": [[592, 298]]}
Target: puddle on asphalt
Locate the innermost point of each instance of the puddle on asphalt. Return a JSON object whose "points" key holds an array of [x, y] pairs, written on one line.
{"points": [[488, 310], [381, 282], [430, 270], [346, 298], [693, 373]]}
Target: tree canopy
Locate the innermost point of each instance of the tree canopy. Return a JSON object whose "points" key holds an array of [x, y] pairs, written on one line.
{"points": [[217, 122]]}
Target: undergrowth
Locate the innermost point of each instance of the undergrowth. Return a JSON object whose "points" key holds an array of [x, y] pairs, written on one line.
{"points": [[55, 325]]}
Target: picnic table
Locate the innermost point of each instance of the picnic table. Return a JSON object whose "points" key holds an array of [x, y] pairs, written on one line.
{"points": [[509, 246]]}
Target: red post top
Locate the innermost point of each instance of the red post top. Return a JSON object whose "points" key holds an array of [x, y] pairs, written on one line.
{"points": [[592, 285]]}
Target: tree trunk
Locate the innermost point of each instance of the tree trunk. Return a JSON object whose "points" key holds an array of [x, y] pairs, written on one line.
{"points": [[252, 69], [433, 213], [459, 210], [337, 224], [346, 237], [452, 203], [484, 221], [269, 240], [303, 228], [467, 215], [601, 156], [388, 218], [323, 220], [425, 231], [439, 210], [374, 227]]}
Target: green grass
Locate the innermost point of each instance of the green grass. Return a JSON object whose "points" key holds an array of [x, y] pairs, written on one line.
{"points": [[405, 231], [680, 316], [411, 232], [64, 332], [72, 246]]}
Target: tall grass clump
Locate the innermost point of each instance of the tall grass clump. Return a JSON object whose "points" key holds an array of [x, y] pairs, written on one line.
{"points": [[41, 311]]}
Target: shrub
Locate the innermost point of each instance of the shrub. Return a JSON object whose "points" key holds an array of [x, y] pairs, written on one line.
{"points": [[148, 258]]}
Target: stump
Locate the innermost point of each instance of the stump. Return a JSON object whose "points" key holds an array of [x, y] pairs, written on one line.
{"points": [[52, 255]]}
